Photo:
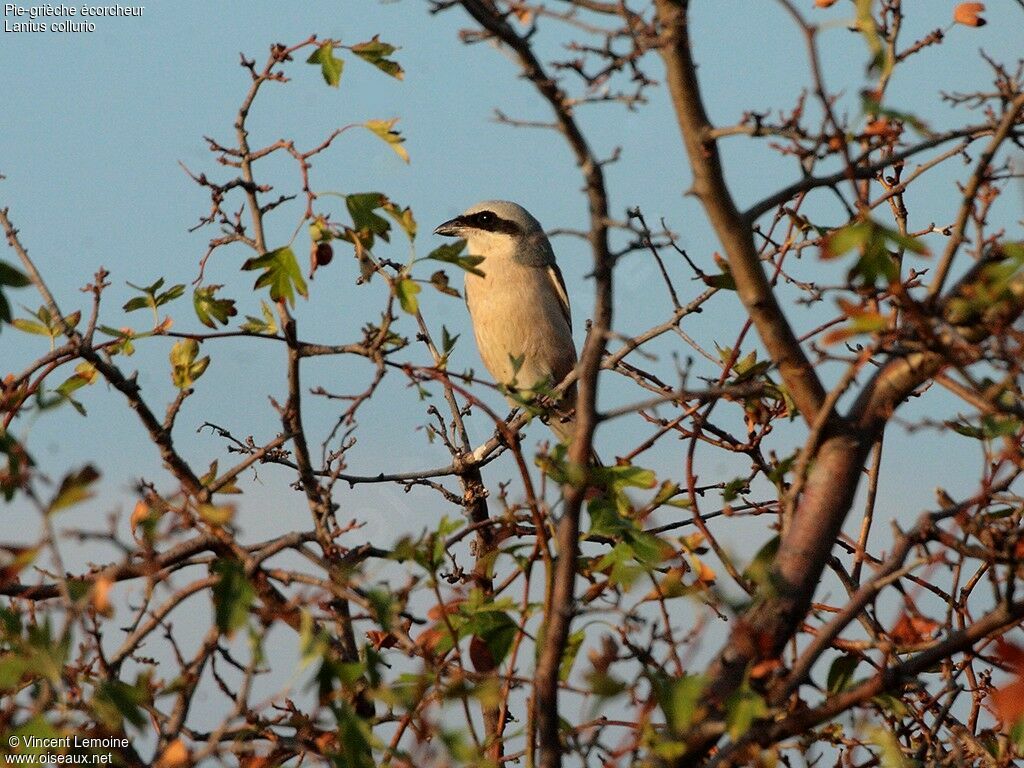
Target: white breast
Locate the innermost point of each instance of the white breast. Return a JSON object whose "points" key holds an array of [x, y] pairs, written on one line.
{"points": [[516, 313]]}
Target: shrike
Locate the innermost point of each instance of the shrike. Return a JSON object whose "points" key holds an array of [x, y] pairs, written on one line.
{"points": [[520, 308]]}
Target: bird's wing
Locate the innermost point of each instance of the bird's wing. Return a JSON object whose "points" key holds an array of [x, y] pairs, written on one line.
{"points": [[558, 282]]}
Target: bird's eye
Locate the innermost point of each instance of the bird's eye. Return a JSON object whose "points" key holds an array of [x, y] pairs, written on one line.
{"points": [[487, 219]]}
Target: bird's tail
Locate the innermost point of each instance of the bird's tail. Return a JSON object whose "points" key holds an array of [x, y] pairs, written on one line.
{"points": [[564, 427]]}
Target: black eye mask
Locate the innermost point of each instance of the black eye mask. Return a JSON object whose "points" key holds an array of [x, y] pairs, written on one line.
{"points": [[491, 222]]}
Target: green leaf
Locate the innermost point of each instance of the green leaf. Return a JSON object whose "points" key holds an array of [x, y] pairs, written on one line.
{"points": [[85, 373], [871, 106], [31, 326], [681, 700], [281, 272], [620, 477], [999, 426], [742, 708], [891, 704], [991, 427], [1017, 735], [266, 324], [724, 281], [846, 238], [604, 686], [15, 463], [760, 567], [152, 296], [966, 430], [38, 727], [320, 230], [75, 488], [12, 277], [402, 216], [185, 369], [605, 520], [872, 240], [666, 495], [648, 548], [572, 649], [496, 629], [209, 309], [890, 752], [354, 735], [383, 605], [385, 130], [366, 224], [12, 670], [232, 595], [734, 488], [406, 289], [747, 368], [841, 673], [880, 56], [330, 65], [116, 701], [619, 565], [450, 254], [448, 341], [47, 325], [313, 643], [217, 514], [375, 52]]}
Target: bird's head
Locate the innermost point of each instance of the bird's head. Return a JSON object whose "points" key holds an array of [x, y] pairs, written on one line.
{"points": [[498, 228]]}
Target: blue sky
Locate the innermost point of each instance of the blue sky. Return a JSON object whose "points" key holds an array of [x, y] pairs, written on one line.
{"points": [[96, 124]]}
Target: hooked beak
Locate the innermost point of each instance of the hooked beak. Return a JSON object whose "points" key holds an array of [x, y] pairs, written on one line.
{"points": [[451, 228]]}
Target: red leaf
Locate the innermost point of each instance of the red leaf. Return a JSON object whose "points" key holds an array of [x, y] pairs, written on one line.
{"points": [[1009, 702], [481, 656], [381, 639], [1010, 654]]}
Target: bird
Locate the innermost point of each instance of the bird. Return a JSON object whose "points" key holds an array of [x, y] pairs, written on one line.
{"points": [[519, 305]]}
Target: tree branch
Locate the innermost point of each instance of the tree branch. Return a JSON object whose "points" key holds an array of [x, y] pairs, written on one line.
{"points": [[732, 228]]}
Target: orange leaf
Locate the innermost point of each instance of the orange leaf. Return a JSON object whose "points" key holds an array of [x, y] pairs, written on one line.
{"points": [[140, 513], [595, 590], [910, 630], [430, 638], [175, 755], [837, 335], [878, 127], [764, 668], [824, 3], [671, 584], [967, 14], [523, 15], [327, 741], [452, 606], [603, 659], [705, 573], [101, 595]]}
